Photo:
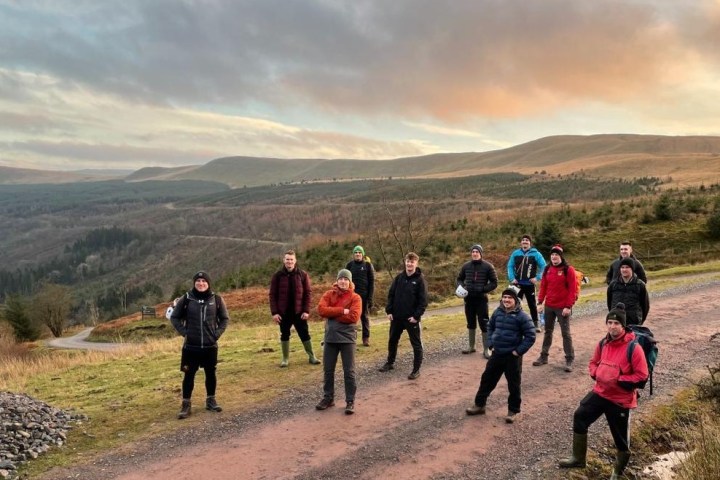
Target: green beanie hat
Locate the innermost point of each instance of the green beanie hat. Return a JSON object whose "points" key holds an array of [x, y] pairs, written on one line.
{"points": [[359, 249]]}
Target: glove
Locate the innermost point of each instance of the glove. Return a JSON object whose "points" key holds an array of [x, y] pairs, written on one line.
{"points": [[628, 386]]}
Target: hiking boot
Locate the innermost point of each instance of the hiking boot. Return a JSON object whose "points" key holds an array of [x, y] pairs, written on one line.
{"points": [[512, 417], [212, 405], [325, 403], [538, 329], [366, 342], [414, 374], [579, 452], [387, 367], [475, 410], [568, 366], [542, 360], [350, 408], [185, 410]]}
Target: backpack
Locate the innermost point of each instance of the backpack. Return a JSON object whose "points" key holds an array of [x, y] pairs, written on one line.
{"points": [[645, 338]]}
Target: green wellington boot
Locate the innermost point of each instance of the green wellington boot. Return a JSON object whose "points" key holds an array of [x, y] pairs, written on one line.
{"points": [[311, 356], [285, 353], [579, 452], [621, 461], [486, 345], [471, 342]]}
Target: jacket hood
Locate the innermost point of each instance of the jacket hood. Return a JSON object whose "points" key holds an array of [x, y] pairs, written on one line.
{"points": [[350, 289]]}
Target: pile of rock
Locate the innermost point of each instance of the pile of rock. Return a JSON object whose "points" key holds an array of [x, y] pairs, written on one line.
{"points": [[28, 428]]}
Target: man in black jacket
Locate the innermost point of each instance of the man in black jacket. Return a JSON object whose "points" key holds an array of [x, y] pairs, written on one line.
{"points": [[363, 275], [626, 251], [631, 291], [478, 278], [407, 300]]}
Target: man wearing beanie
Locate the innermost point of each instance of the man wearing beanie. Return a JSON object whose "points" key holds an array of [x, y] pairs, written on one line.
{"points": [[626, 251], [614, 393], [341, 307], [511, 335], [557, 291], [290, 295], [629, 290], [363, 275], [201, 317], [406, 304], [524, 269], [478, 277]]}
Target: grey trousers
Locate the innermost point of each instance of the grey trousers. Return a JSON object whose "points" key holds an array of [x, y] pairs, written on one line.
{"points": [[550, 315], [347, 355]]}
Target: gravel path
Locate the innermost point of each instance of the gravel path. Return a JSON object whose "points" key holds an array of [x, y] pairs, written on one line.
{"points": [[410, 430]]}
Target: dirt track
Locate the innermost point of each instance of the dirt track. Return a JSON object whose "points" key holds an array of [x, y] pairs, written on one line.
{"points": [[418, 429]]}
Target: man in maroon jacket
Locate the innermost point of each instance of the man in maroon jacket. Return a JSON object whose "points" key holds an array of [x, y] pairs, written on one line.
{"points": [[290, 294]]}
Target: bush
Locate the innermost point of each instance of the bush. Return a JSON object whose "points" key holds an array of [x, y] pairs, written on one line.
{"points": [[713, 225], [24, 330]]}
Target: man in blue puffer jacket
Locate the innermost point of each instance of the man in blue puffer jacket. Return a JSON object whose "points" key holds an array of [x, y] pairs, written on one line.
{"points": [[511, 333]]}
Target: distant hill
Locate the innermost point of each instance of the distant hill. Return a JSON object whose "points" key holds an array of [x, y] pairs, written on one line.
{"points": [[25, 176], [689, 160]]}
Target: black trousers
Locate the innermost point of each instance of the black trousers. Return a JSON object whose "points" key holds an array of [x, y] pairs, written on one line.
{"points": [[397, 326], [618, 418], [498, 365], [476, 312], [293, 320], [191, 361], [364, 320], [528, 291]]}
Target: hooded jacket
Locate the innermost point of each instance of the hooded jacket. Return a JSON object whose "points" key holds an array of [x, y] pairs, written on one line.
{"points": [[524, 265], [614, 376], [200, 321], [340, 328], [508, 331], [633, 294], [407, 296]]}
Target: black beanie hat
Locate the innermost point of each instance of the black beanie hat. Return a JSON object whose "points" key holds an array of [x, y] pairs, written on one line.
{"points": [[512, 293], [617, 313], [203, 275], [627, 261]]}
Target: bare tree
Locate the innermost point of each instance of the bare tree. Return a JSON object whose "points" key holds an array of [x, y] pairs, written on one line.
{"points": [[51, 306]]}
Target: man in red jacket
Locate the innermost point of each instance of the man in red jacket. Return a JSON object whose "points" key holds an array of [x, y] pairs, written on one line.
{"points": [[614, 393], [557, 291]]}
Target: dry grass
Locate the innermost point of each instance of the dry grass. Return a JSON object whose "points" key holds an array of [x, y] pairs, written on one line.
{"points": [[704, 442]]}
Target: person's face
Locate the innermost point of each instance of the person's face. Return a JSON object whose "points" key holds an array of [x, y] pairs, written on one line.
{"points": [[343, 283], [201, 285], [625, 251], [508, 302], [358, 256], [615, 328], [525, 244], [410, 265], [475, 254], [555, 259], [289, 261], [625, 271]]}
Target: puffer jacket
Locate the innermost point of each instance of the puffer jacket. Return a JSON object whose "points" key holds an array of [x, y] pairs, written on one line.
{"points": [[407, 296], [340, 328], [279, 292], [634, 295], [510, 331], [556, 290], [363, 275], [614, 376], [524, 265], [200, 321], [478, 277], [614, 270]]}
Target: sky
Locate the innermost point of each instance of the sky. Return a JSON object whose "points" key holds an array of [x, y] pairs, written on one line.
{"points": [[126, 84]]}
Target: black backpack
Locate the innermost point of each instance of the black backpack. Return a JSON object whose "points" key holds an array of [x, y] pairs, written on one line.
{"points": [[645, 338]]}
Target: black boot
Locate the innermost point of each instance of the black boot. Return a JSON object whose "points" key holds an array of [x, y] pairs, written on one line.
{"points": [[212, 405], [579, 452], [186, 409]]}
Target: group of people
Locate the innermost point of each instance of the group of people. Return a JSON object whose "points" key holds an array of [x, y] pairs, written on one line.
{"points": [[201, 317]]}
